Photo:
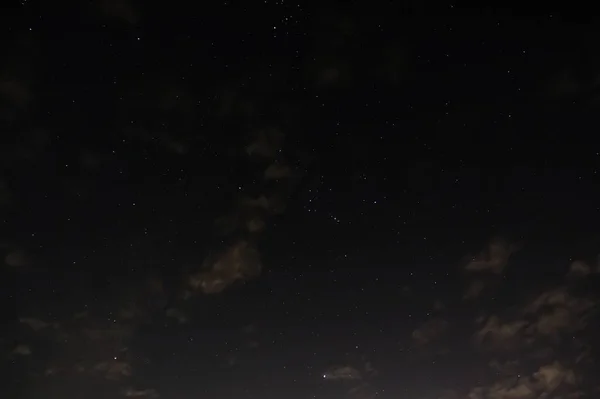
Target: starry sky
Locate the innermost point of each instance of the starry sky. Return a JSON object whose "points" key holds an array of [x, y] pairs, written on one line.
{"points": [[307, 200]]}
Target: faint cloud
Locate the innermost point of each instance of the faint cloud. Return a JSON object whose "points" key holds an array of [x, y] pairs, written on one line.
{"points": [[475, 289], [369, 369], [34, 324], [17, 258], [141, 393], [5, 194], [178, 315], [164, 140], [14, 92], [557, 311], [120, 9], [329, 75], [579, 268], [240, 262], [342, 373], [497, 335], [255, 225], [549, 314], [114, 370], [114, 333], [81, 315], [259, 202], [277, 171], [52, 371], [267, 144], [250, 329], [541, 384], [429, 331], [506, 368], [494, 258], [22, 350]]}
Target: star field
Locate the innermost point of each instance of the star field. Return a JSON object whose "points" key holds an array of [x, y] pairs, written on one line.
{"points": [[278, 198]]}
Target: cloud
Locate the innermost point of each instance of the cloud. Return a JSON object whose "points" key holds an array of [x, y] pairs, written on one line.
{"points": [[475, 289], [52, 371], [277, 171], [274, 204], [5, 194], [431, 330], [543, 382], [240, 261], [579, 268], [17, 258], [342, 373], [115, 332], [22, 350], [509, 367], [34, 324], [259, 202], [15, 92], [494, 258], [250, 214], [267, 144], [557, 310], [496, 334], [120, 9], [255, 225], [549, 314], [329, 75], [178, 315], [114, 369], [141, 393]]}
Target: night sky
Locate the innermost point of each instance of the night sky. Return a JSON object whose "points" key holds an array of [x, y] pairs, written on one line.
{"points": [[273, 199]]}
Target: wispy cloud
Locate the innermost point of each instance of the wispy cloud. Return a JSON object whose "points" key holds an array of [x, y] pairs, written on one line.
{"points": [[266, 144], [541, 383], [141, 393], [429, 331], [18, 259], [277, 171], [114, 369], [120, 9], [178, 315], [35, 324], [338, 373], [494, 258], [22, 350], [239, 262]]}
